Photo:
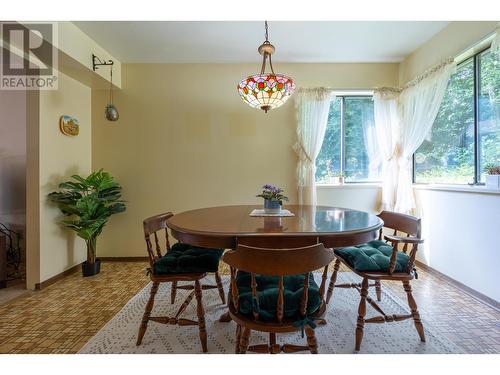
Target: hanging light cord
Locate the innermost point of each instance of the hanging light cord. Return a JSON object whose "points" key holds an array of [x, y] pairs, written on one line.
{"points": [[111, 87]]}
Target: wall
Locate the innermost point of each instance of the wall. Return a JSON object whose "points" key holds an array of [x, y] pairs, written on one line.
{"points": [[61, 156], [460, 230], [364, 197], [186, 140], [12, 157], [449, 42]]}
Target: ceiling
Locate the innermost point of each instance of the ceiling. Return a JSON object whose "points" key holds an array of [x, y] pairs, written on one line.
{"points": [[237, 41]]}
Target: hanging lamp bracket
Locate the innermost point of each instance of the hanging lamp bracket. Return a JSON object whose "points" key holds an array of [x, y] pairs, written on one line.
{"points": [[266, 48], [96, 62]]}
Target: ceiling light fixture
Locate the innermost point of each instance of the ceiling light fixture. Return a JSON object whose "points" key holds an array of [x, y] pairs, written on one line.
{"points": [[266, 90]]}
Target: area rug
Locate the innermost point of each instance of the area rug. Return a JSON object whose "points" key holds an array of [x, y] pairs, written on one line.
{"points": [[337, 336]]}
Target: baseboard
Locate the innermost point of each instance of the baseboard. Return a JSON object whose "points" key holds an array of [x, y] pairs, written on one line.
{"points": [[53, 279], [464, 288], [124, 259], [76, 267]]}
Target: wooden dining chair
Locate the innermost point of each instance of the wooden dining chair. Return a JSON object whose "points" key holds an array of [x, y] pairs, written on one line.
{"points": [[273, 291], [379, 260], [181, 262]]}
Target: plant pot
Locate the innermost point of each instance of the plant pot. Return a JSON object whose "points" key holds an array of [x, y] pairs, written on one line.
{"points": [[341, 180], [493, 181], [91, 269], [272, 207]]}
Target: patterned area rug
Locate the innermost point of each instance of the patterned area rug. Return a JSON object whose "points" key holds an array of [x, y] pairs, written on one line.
{"points": [[337, 336]]}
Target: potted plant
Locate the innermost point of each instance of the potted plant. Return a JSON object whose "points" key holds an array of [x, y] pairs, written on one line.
{"points": [[90, 201], [492, 176], [273, 198]]}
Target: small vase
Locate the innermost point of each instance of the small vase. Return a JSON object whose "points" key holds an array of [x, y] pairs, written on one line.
{"points": [[272, 207]]}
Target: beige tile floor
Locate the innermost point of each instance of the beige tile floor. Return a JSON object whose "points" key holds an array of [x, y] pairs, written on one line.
{"points": [[65, 315]]}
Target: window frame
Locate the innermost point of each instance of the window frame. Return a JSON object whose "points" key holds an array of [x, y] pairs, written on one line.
{"points": [[342, 135], [476, 57]]}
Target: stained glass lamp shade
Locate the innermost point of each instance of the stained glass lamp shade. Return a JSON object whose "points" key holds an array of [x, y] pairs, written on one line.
{"points": [[266, 90]]}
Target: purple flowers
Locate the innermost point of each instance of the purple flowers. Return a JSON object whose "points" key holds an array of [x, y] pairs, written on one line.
{"points": [[273, 193]]}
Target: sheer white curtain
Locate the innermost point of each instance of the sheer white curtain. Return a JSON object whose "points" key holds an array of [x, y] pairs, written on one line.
{"points": [[385, 103], [419, 104], [312, 106], [495, 44], [371, 144]]}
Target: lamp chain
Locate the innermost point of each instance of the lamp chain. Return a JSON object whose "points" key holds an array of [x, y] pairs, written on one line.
{"points": [[111, 87]]}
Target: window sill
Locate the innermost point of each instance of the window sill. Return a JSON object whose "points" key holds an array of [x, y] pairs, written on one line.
{"points": [[351, 185], [457, 188], [437, 187]]}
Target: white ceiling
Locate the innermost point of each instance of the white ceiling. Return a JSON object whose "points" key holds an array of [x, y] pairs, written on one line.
{"points": [[237, 42]]}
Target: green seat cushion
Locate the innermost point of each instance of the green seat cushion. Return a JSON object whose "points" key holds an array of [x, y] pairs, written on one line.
{"points": [[267, 291], [374, 256], [184, 258]]}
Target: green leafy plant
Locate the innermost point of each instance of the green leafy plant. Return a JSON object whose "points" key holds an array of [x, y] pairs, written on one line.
{"points": [[273, 193], [90, 201], [492, 169]]}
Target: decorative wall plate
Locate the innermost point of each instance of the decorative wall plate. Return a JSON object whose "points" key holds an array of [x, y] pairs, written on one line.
{"points": [[69, 125]]}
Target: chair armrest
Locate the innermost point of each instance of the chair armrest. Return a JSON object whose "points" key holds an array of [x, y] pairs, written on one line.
{"points": [[398, 239]]}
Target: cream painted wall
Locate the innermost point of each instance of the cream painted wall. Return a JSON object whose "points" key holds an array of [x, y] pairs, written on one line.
{"points": [[363, 197], [449, 42], [460, 230], [186, 140], [61, 156]]}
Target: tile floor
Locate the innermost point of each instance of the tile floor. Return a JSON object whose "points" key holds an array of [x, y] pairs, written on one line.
{"points": [[65, 315]]}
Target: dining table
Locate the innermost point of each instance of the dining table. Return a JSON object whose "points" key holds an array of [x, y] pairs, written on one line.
{"points": [[226, 227]]}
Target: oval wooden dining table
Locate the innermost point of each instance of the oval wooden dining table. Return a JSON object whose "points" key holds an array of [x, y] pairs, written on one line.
{"points": [[227, 226]]}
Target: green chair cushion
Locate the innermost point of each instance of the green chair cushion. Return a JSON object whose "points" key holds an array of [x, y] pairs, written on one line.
{"points": [[374, 256], [267, 291], [184, 258]]}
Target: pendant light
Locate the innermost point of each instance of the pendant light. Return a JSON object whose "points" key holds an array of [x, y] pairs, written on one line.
{"points": [[111, 111], [266, 90]]}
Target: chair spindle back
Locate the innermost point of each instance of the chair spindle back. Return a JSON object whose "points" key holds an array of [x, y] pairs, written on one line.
{"points": [[280, 263], [406, 224], [152, 225]]}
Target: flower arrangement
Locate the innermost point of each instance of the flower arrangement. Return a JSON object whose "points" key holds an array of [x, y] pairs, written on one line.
{"points": [[273, 193], [492, 169]]}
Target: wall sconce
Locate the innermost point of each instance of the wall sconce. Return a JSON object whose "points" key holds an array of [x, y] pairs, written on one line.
{"points": [[111, 111]]}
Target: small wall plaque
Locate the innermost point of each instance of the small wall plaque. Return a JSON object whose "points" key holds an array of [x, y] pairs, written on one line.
{"points": [[69, 125]]}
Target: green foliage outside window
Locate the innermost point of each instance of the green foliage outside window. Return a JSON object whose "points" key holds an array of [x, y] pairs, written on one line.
{"points": [[448, 155]]}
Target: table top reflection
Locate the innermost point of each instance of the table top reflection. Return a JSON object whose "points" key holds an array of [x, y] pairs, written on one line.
{"points": [[308, 220]]}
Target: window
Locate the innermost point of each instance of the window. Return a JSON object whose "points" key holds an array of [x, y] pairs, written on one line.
{"points": [[466, 133], [349, 146]]}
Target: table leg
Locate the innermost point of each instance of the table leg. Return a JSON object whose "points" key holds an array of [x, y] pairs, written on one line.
{"points": [[225, 318]]}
